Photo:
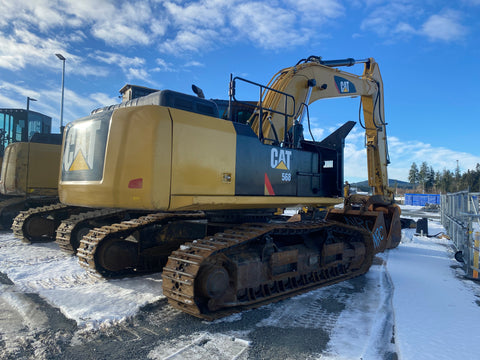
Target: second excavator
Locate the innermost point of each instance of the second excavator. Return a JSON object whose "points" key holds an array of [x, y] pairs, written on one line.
{"points": [[213, 185]]}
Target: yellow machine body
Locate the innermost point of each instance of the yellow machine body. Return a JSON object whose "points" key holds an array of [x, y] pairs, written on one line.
{"points": [[160, 158], [30, 169]]}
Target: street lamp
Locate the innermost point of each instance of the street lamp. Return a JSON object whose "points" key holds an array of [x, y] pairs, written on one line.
{"points": [[61, 57], [28, 113]]}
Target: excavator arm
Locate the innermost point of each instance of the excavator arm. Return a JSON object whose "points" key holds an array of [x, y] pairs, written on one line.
{"points": [[284, 101], [283, 105]]}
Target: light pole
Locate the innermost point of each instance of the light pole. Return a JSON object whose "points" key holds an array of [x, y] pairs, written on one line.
{"points": [[28, 114], [61, 57]]}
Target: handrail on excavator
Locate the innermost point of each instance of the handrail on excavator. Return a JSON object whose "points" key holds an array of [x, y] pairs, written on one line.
{"points": [[260, 107]]}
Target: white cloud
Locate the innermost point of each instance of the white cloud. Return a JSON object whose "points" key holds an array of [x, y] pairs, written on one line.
{"points": [[387, 19], [194, 63], [406, 17], [115, 22], [34, 30], [164, 65], [270, 27], [100, 99], [118, 59], [139, 74], [404, 28], [402, 155], [14, 88], [190, 41], [318, 10], [198, 14], [24, 48], [446, 27]]}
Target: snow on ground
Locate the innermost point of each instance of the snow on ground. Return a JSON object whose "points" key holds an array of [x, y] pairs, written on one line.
{"points": [[435, 311], [364, 328], [59, 279], [203, 346]]}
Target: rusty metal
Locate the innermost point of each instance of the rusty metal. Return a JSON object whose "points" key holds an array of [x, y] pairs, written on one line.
{"points": [[305, 255], [381, 219], [39, 224], [373, 221], [71, 230], [114, 250]]}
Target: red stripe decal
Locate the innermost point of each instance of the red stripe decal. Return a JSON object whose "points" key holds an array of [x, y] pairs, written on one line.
{"points": [[268, 185]]}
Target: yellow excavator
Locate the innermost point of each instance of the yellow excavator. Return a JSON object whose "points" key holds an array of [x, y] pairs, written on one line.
{"points": [[213, 185], [29, 188], [29, 176], [29, 203]]}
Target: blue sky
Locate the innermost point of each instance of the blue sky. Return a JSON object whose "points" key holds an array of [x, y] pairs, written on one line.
{"points": [[428, 52]]}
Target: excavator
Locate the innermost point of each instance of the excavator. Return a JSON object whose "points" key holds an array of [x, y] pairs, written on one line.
{"points": [[213, 184], [29, 186], [29, 176]]}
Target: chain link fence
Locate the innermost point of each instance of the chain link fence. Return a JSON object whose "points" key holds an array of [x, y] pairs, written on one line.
{"points": [[461, 220]]}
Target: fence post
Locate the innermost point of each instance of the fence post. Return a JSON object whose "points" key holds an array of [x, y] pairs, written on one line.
{"points": [[476, 254], [460, 217]]}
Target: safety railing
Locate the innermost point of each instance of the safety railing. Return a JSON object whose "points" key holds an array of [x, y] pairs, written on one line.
{"points": [[461, 219]]}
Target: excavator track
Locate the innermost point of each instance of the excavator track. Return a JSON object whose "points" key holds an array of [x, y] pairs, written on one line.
{"points": [[95, 252], [71, 230], [234, 271], [38, 224]]}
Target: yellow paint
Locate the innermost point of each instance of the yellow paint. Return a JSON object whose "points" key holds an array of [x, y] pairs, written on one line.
{"points": [[186, 173], [79, 163], [30, 168], [281, 166], [247, 202], [203, 151], [138, 146]]}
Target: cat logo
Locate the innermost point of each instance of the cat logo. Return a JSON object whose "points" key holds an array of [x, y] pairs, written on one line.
{"points": [[280, 159], [79, 163], [344, 86]]}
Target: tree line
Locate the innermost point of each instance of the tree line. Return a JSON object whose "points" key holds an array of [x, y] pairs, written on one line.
{"points": [[430, 181]]}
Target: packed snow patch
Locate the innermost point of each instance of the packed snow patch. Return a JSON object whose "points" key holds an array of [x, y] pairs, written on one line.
{"points": [[58, 278], [436, 312], [201, 346]]}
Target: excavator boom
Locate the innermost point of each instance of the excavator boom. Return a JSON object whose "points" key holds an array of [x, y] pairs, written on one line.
{"points": [[283, 105]]}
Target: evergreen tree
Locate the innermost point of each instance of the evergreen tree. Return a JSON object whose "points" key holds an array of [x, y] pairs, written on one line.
{"points": [[430, 180], [423, 174], [446, 181], [438, 180], [413, 174]]}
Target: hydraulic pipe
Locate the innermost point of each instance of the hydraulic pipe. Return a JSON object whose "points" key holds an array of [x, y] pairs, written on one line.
{"points": [[343, 62]]}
